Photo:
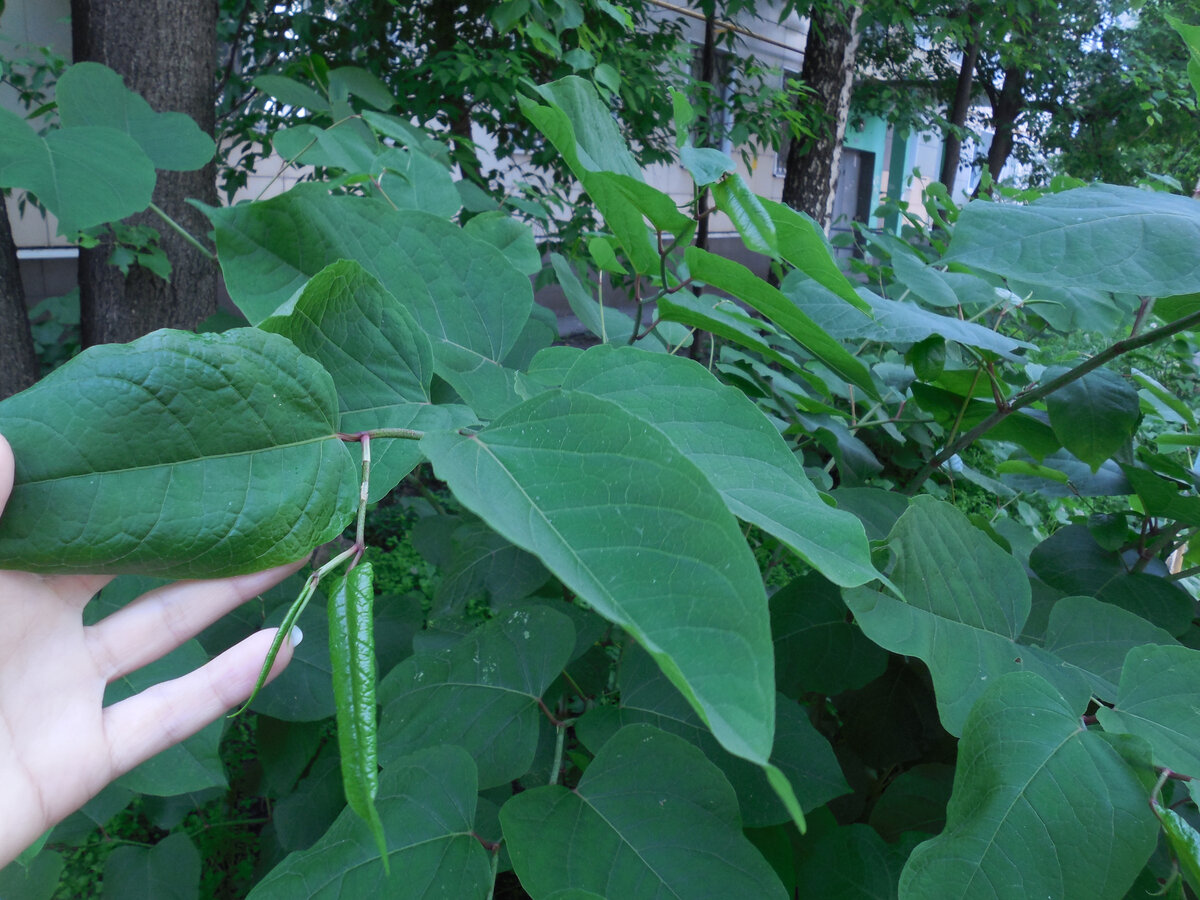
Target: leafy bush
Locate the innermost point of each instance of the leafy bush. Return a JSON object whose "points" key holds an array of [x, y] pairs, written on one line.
{"points": [[933, 705]]}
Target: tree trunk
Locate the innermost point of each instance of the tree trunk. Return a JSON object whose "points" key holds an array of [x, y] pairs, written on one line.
{"points": [[810, 180], [1007, 106], [166, 51], [952, 152], [18, 361]]}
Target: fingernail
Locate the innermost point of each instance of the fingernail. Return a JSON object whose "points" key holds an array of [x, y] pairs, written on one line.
{"points": [[296, 636]]}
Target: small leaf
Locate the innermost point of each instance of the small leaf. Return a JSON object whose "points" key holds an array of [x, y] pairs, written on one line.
{"points": [[705, 164], [751, 219], [642, 785], [1184, 841], [290, 92], [1041, 806]]}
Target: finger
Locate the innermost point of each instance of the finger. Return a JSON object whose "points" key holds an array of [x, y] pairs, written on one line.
{"points": [[8, 468], [161, 716], [159, 621]]}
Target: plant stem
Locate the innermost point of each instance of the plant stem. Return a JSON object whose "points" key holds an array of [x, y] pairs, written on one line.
{"points": [[183, 232], [364, 488], [1034, 394], [407, 434], [559, 738]]}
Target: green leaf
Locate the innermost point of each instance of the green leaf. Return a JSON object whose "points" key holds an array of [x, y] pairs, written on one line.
{"points": [[737, 449], [290, 92], [890, 321], [733, 277], [966, 603], [1160, 496], [337, 147], [851, 862], [38, 881], [91, 94], [642, 785], [596, 144], [816, 649], [512, 238], [1119, 239], [482, 694], [1095, 637], [427, 804], [362, 84], [1157, 702], [462, 291], [1041, 806], [751, 219], [609, 324], [915, 801], [379, 357], [194, 764], [413, 180], [169, 870], [627, 523], [178, 455], [1072, 561], [1184, 841], [800, 752], [802, 243], [1094, 416], [85, 176], [705, 164], [484, 566]]}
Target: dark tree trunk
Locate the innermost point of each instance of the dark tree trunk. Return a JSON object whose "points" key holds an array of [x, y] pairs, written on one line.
{"points": [[166, 51], [18, 361], [952, 152], [1007, 105], [810, 180], [708, 75]]}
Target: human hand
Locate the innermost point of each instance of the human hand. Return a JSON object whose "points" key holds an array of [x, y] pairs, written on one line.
{"points": [[58, 745]]}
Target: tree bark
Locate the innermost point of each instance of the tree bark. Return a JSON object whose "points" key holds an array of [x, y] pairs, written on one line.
{"points": [[810, 180], [166, 51], [952, 147], [1007, 105], [18, 361]]}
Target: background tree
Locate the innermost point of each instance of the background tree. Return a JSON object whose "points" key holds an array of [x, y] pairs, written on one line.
{"points": [[166, 51], [810, 181]]}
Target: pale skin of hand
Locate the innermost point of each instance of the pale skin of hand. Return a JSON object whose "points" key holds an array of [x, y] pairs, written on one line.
{"points": [[58, 745]]}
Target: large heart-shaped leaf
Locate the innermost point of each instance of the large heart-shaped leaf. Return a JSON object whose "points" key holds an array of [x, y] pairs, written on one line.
{"points": [[178, 455], [85, 176], [736, 447], [624, 520], [91, 94], [426, 802], [169, 870], [1041, 807], [482, 694], [1159, 700], [967, 601], [644, 784], [1104, 237]]}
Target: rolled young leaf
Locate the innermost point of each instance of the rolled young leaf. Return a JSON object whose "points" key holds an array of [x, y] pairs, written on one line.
{"points": [[177, 455]]}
